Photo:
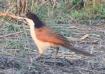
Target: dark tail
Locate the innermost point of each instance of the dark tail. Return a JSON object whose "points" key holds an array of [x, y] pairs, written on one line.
{"points": [[78, 50]]}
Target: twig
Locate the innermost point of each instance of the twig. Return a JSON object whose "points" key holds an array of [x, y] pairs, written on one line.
{"points": [[84, 37], [8, 49], [10, 34], [10, 15], [88, 42]]}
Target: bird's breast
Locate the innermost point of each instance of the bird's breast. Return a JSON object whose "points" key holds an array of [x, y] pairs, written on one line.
{"points": [[40, 44]]}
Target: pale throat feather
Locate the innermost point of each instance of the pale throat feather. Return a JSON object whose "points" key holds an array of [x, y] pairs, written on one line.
{"points": [[42, 46]]}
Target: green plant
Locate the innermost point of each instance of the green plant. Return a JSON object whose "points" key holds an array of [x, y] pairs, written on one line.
{"points": [[79, 14], [75, 2]]}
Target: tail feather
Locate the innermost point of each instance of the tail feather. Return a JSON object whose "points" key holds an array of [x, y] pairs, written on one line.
{"points": [[78, 50]]}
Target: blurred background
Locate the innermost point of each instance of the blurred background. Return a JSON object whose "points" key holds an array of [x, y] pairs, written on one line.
{"points": [[81, 21]]}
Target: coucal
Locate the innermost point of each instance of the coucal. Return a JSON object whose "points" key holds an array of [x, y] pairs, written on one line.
{"points": [[45, 37]]}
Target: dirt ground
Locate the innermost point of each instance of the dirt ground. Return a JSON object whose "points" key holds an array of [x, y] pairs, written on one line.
{"points": [[20, 61]]}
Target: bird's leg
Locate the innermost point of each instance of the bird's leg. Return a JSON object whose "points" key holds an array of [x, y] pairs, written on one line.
{"points": [[56, 51], [55, 55], [41, 59], [39, 55]]}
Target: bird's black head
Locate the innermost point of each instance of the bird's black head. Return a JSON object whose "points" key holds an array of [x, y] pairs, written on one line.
{"points": [[37, 22]]}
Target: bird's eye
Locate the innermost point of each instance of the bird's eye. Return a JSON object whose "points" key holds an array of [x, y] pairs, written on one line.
{"points": [[24, 19]]}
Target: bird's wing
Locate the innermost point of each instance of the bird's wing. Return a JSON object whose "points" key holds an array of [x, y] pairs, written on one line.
{"points": [[47, 35]]}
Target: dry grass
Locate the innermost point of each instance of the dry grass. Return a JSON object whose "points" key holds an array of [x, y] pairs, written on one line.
{"points": [[20, 48], [18, 53]]}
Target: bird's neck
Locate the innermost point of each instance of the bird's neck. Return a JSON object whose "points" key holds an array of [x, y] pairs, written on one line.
{"points": [[38, 23], [32, 32]]}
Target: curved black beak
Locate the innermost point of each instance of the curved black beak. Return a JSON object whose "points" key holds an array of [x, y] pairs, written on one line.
{"points": [[24, 21]]}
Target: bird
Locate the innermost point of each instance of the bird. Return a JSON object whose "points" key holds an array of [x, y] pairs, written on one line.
{"points": [[44, 36]]}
